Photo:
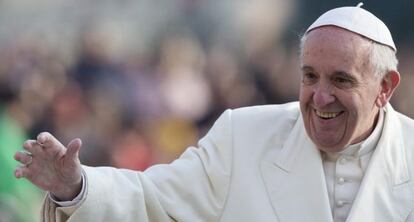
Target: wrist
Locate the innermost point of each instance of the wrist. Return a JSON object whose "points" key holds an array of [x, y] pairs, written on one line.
{"points": [[68, 192]]}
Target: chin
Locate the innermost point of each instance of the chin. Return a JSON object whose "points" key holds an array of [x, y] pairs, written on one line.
{"points": [[331, 148]]}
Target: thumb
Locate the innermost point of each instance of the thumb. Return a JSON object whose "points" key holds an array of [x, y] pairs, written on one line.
{"points": [[73, 148]]}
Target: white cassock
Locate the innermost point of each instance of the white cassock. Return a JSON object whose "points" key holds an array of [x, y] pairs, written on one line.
{"points": [[255, 164]]}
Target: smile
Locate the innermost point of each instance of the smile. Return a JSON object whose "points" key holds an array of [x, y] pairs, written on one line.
{"points": [[327, 115]]}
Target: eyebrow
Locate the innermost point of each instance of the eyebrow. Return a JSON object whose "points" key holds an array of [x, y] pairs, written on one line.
{"points": [[307, 68], [344, 75], [341, 73]]}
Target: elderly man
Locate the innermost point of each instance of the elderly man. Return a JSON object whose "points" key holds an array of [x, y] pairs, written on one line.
{"points": [[341, 153]]}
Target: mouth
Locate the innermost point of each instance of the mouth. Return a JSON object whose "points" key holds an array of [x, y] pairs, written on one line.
{"points": [[328, 115]]}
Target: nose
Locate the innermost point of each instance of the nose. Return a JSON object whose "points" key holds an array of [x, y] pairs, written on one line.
{"points": [[323, 95]]}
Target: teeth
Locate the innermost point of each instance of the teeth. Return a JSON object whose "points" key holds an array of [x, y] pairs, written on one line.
{"points": [[327, 115]]}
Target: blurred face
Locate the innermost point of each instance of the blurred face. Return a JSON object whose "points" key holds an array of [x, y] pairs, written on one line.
{"points": [[339, 89]]}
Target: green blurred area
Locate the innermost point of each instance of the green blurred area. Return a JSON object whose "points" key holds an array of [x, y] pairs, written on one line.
{"points": [[19, 199]]}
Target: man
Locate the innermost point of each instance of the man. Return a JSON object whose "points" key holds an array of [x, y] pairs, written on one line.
{"points": [[341, 153]]}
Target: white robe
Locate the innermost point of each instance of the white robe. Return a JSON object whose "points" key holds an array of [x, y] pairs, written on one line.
{"points": [[255, 164]]}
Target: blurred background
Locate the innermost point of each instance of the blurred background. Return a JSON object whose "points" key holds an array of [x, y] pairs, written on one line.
{"points": [[140, 80]]}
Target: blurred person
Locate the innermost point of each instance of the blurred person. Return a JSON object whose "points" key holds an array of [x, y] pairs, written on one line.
{"points": [[131, 150], [263, 24], [36, 73], [232, 87], [18, 201], [340, 153], [169, 136], [145, 97], [73, 112], [96, 64], [99, 75], [183, 86]]}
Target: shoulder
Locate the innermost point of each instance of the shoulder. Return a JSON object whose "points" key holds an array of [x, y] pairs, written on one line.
{"points": [[400, 127], [274, 109], [267, 114], [258, 121], [404, 121]]}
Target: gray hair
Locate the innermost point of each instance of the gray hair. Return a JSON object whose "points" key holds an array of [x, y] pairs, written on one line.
{"points": [[383, 58]]}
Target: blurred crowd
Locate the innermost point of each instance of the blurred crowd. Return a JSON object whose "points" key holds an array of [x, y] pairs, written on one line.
{"points": [[139, 81]]}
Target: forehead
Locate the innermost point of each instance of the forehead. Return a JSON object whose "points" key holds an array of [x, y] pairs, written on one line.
{"points": [[335, 47]]}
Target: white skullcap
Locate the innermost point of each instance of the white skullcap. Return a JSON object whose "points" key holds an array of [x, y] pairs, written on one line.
{"points": [[358, 20]]}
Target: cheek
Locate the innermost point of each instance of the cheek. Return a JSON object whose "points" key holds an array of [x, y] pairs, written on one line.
{"points": [[352, 105], [302, 101], [357, 111], [360, 105], [305, 95]]}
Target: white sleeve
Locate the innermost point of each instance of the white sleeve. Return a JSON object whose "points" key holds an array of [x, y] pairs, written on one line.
{"points": [[77, 199], [192, 188]]}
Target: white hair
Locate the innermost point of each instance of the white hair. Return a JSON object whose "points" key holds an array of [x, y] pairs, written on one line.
{"points": [[383, 58]]}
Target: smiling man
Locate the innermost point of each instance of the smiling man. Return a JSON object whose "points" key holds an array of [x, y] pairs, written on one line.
{"points": [[340, 153], [342, 89]]}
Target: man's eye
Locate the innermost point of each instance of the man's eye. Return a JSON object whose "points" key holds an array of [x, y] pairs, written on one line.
{"points": [[342, 80], [309, 78]]}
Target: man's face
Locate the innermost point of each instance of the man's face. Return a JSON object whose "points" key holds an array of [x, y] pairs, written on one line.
{"points": [[339, 88]]}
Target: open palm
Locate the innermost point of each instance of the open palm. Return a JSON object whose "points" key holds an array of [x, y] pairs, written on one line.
{"points": [[51, 166]]}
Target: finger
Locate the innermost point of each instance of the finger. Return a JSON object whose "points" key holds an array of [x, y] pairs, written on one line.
{"points": [[28, 144], [46, 140], [21, 171], [32, 146], [73, 148], [23, 157]]}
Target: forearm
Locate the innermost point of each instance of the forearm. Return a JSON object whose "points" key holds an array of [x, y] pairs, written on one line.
{"points": [[109, 194]]}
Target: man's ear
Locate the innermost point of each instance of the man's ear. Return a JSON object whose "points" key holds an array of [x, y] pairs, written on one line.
{"points": [[388, 84]]}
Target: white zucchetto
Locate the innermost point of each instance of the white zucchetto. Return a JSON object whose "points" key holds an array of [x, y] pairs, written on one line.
{"points": [[358, 20]]}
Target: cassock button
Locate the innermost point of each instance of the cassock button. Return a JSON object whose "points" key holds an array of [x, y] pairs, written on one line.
{"points": [[340, 203], [343, 160]]}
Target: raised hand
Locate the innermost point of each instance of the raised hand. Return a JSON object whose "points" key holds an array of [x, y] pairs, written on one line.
{"points": [[51, 166]]}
